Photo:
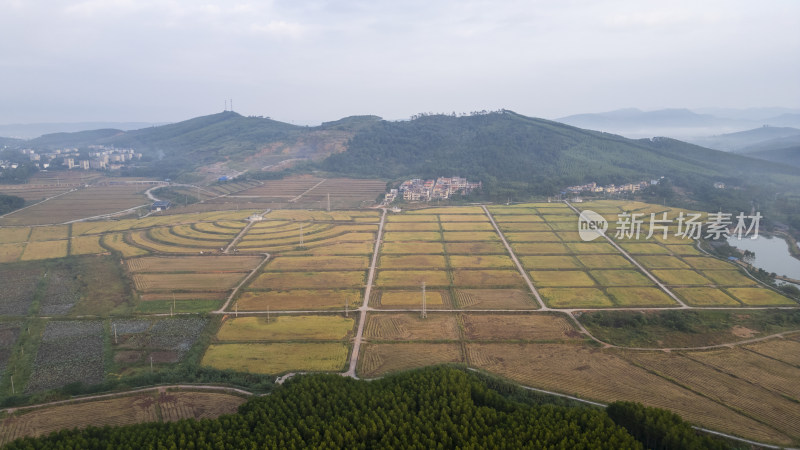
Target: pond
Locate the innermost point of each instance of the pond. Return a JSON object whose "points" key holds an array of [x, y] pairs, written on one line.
{"points": [[772, 255]]}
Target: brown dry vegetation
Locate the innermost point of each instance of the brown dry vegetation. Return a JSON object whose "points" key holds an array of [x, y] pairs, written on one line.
{"points": [[411, 327], [381, 358], [525, 327]]}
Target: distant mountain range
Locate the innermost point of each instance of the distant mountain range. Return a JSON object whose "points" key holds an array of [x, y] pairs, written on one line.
{"points": [[684, 124], [34, 130], [511, 153]]}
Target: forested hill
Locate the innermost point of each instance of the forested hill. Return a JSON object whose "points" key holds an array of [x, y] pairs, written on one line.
{"points": [[514, 153], [428, 408]]}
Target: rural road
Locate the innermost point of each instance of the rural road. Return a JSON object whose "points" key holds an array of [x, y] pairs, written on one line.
{"points": [[521, 270], [351, 372]]}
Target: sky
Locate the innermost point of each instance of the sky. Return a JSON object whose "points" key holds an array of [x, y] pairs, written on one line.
{"points": [[306, 62]]}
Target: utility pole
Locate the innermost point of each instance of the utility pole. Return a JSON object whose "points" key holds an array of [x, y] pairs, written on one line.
{"points": [[346, 306], [12, 385], [329, 202], [301, 234], [173, 302], [115, 334], [424, 311], [151, 364]]}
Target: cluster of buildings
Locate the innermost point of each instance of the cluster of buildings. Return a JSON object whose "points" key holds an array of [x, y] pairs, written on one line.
{"points": [[98, 157], [611, 188], [426, 190]]}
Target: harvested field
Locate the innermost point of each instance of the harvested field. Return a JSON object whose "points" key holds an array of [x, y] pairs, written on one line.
{"points": [[157, 296], [680, 277], [470, 248], [604, 376], [640, 296], [705, 296], [518, 327], [545, 248], [661, 262], [186, 281], [620, 278], [197, 405], [760, 403], [298, 300], [312, 263], [405, 236], [522, 217], [561, 278], [481, 261], [729, 278], [433, 299], [82, 203], [575, 298], [141, 240], [760, 297], [412, 262], [786, 350], [277, 358], [380, 359], [756, 369], [86, 245], [411, 278], [410, 327], [308, 280], [682, 250], [286, 328], [487, 278], [550, 262], [449, 210], [412, 248], [495, 299], [211, 263], [45, 250], [10, 252], [9, 235], [117, 242], [164, 235]]}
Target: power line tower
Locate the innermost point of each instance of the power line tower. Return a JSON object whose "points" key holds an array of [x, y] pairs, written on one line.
{"points": [[424, 314]]}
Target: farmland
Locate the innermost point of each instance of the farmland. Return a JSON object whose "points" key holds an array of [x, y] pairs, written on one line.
{"points": [[300, 310]]}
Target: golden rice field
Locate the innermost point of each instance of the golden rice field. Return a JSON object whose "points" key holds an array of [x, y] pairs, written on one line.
{"points": [[85, 245], [463, 218], [412, 218], [532, 236], [546, 262], [640, 296], [544, 248], [336, 248], [620, 278], [467, 226], [471, 248], [470, 236], [605, 262], [49, 233], [309, 263], [186, 281], [10, 252], [412, 226], [487, 278], [309, 280], [450, 210], [481, 261], [9, 235], [412, 248], [116, 242], [210, 263], [413, 299], [705, 296], [757, 296], [277, 358], [575, 298], [411, 278], [561, 278], [681, 277], [661, 262], [403, 236], [379, 359], [45, 250], [729, 278], [286, 328], [412, 262], [142, 240], [411, 327], [298, 300]]}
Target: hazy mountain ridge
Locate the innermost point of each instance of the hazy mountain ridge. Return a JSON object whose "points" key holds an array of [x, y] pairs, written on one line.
{"points": [[34, 130], [683, 123]]}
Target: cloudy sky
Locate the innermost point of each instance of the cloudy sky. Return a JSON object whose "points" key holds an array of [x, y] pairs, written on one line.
{"points": [[310, 61]]}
